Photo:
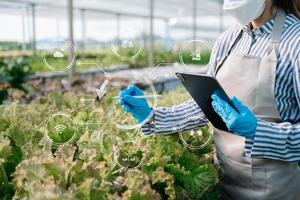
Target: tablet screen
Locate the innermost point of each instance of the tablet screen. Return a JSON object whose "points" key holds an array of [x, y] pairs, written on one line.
{"points": [[201, 88]]}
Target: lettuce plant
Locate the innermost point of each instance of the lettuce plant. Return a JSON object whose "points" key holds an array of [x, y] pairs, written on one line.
{"points": [[31, 167]]}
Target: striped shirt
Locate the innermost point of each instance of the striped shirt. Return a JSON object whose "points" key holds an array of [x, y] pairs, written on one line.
{"points": [[279, 141]]}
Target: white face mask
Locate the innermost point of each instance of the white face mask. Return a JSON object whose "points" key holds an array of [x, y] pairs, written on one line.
{"points": [[244, 10]]}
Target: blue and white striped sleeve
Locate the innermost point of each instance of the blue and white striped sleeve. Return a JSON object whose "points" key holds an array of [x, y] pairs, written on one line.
{"points": [[182, 117], [279, 141], [187, 115]]}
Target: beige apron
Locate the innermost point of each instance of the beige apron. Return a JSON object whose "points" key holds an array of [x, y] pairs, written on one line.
{"points": [[252, 80]]}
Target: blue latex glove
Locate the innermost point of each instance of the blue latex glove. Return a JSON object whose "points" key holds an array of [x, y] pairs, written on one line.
{"points": [[243, 123], [139, 108]]}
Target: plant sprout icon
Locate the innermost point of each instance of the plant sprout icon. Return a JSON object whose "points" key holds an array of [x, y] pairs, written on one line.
{"points": [[58, 55], [126, 156], [130, 160], [60, 128]]}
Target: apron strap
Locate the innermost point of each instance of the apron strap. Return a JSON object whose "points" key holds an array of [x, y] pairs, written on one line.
{"points": [[229, 51], [277, 30], [275, 37]]}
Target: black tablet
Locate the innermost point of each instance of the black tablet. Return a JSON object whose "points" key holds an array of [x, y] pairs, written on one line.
{"points": [[201, 87]]}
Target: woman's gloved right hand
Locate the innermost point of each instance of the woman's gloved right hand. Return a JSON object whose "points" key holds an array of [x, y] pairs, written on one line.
{"points": [[139, 108]]}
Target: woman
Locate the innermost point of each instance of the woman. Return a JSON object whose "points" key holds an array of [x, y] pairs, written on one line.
{"points": [[259, 64]]}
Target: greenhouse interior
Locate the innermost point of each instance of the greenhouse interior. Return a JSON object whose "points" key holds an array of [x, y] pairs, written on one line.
{"points": [[96, 99]]}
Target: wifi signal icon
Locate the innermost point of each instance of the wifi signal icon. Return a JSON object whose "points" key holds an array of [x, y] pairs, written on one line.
{"points": [[60, 128]]}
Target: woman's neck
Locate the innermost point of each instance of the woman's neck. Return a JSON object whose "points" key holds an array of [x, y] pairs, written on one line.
{"points": [[267, 15]]}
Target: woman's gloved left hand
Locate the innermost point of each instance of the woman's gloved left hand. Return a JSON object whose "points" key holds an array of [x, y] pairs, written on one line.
{"points": [[242, 123]]}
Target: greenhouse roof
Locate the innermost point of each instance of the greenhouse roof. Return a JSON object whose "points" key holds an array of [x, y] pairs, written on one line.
{"points": [[135, 8]]}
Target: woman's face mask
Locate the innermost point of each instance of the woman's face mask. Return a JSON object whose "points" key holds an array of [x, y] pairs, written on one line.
{"points": [[244, 10]]}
